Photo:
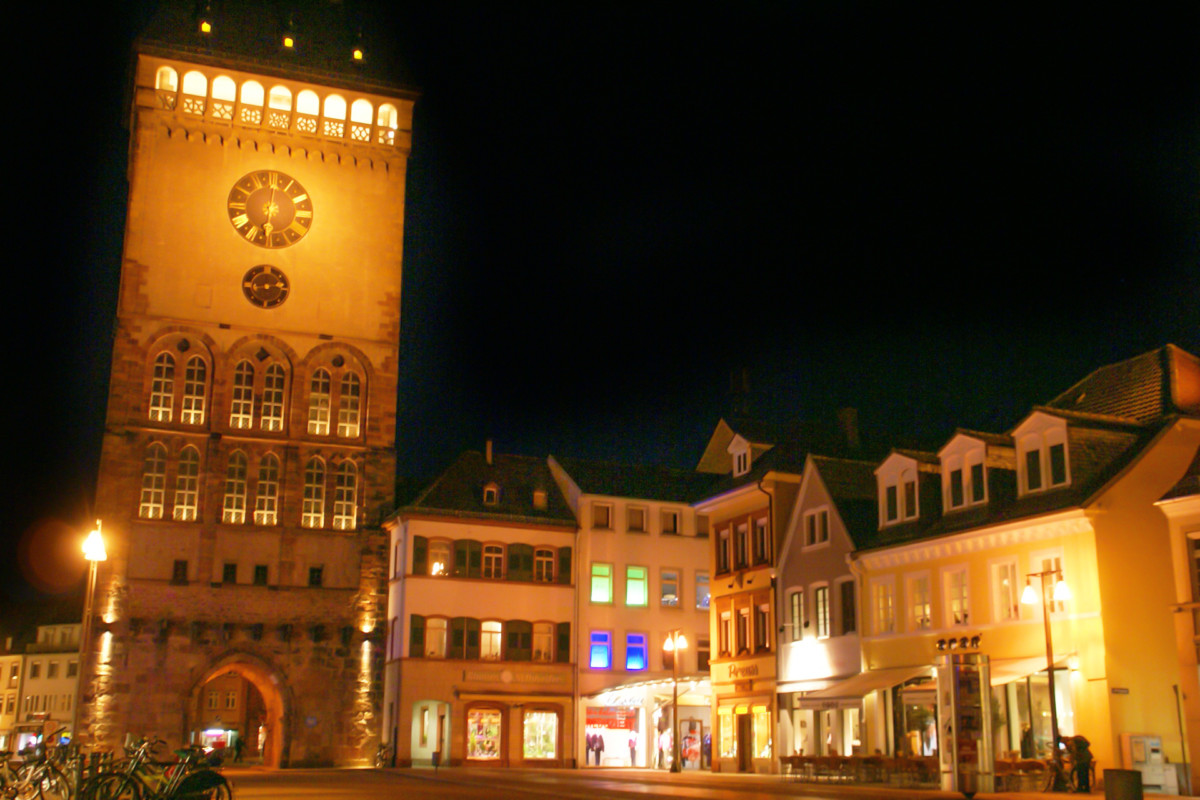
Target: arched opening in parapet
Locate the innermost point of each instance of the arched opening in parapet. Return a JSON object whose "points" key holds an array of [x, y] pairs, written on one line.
{"points": [[240, 706]]}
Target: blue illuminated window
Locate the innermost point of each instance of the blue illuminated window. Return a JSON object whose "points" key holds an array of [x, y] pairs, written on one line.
{"points": [[635, 651], [600, 654]]}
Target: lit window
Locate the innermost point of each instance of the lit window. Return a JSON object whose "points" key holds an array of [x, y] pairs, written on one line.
{"points": [[796, 613], [957, 610], [885, 607], [166, 80], [335, 106], [266, 498], [669, 588], [637, 592], [272, 402], [312, 513], [600, 650], [361, 110], [703, 596], [541, 735], [280, 98], [234, 510], [439, 557], [348, 405], [435, 637], [195, 378], [307, 102], [821, 609], [318, 403], [601, 583], [162, 388], [919, 603], [489, 641], [241, 405], [345, 497], [187, 485], [252, 93], [154, 482], [543, 641], [1005, 592], [636, 652]]}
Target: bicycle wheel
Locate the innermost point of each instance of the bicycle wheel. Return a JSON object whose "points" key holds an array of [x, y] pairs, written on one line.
{"points": [[52, 784], [114, 786], [203, 784]]}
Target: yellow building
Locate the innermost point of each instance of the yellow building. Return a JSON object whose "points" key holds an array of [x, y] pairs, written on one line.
{"points": [[1069, 493]]}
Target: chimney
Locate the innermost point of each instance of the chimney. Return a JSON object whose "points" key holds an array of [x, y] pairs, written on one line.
{"points": [[488, 451], [848, 420]]}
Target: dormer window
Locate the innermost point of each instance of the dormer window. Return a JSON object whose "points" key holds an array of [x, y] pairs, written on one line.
{"points": [[1042, 459], [539, 499], [739, 452], [898, 497], [964, 481], [491, 494]]}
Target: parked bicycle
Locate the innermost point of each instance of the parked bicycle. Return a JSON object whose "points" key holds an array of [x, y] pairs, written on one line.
{"points": [[140, 778], [37, 777]]}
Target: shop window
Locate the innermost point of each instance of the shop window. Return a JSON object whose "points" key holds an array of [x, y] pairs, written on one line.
{"points": [[187, 485], [541, 735], [154, 480], [312, 514], [600, 650], [725, 723], [703, 595], [483, 734], [821, 611], [762, 732], [602, 583], [637, 591], [668, 593], [636, 652], [266, 497], [162, 388]]}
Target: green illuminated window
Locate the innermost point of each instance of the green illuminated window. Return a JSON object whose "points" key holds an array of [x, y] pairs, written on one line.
{"points": [[602, 583], [637, 591]]}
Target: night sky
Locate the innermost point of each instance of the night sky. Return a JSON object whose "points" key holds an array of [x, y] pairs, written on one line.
{"points": [[940, 215]]}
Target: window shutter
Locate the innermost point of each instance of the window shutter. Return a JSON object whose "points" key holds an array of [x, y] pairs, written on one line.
{"points": [[475, 560], [564, 565], [520, 562], [416, 638], [562, 649], [458, 637], [519, 640], [420, 564], [472, 649], [462, 552]]}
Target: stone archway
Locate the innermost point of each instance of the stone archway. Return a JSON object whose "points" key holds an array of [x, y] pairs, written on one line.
{"points": [[269, 684]]}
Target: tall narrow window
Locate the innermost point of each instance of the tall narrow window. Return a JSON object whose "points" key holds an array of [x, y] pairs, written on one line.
{"points": [[636, 590], [636, 651], [723, 551], [234, 510], [740, 549], [187, 485], [154, 482], [348, 405], [668, 593], [1004, 592], [821, 609], [816, 527], [493, 561], [241, 404], [312, 512], [543, 565], [920, 610], [762, 542], [272, 401], [600, 650], [957, 612], [543, 641], [195, 381], [703, 595], [849, 611], [796, 608], [435, 637], [885, 609], [489, 640], [162, 388], [318, 403], [266, 498], [345, 497]]}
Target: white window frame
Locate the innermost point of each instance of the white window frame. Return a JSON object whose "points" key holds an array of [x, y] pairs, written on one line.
{"points": [[345, 497], [956, 617], [320, 396], [1006, 603], [266, 491], [312, 512], [919, 606], [185, 503], [237, 468], [883, 606], [274, 398], [195, 391], [795, 612], [816, 528], [349, 406], [822, 611], [241, 403]]}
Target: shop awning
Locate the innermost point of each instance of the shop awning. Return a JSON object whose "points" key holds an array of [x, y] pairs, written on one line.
{"points": [[1007, 670], [863, 683]]}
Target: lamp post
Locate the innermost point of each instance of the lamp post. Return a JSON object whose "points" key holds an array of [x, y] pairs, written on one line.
{"points": [[674, 644], [94, 552], [1029, 597]]}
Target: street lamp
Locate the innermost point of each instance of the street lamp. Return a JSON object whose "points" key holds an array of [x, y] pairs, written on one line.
{"points": [[94, 552], [1029, 597], [674, 644]]}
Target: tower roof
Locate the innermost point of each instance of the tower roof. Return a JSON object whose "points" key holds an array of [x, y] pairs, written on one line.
{"points": [[249, 34]]}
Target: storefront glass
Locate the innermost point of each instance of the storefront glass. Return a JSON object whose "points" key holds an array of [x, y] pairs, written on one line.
{"points": [[762, 732], [728, 741], [541, 734], [1028, 712], [483, 734]]}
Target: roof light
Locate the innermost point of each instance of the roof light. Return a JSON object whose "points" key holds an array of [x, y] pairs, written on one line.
{"points": [[357, 55], [288, 41], [205, 26]]}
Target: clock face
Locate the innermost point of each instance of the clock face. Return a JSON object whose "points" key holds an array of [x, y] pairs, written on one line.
{"points": [[265, 286], [270, 209]]}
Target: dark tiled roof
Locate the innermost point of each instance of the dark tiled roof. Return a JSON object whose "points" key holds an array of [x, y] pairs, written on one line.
{"points": [[1189, 484], [637, 481], [459, 491], [852, 487], [248, 34], [990, 439], [1145, 387]]}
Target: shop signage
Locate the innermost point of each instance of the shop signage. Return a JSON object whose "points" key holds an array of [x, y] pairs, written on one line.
{"points": [[737, 671], [618, 717]]}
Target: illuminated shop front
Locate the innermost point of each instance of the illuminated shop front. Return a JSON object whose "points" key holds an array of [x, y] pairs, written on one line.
{"points": [[744, 739], [632, 725], [512, 731]]}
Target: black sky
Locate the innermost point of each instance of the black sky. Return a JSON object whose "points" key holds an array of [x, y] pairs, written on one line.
{"points": [[938, 215]]}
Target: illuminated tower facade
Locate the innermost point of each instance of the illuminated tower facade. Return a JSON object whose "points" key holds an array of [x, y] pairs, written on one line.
{"points": [[249, 449]]}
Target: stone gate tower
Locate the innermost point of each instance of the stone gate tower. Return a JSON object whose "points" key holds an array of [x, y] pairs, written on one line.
{"points": [[249, 449]]}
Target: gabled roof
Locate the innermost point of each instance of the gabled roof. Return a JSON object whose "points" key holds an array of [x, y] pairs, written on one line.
{"points": [[852, 488], [1189, 484], [458, 492], [247, 34], [1143, 388], [637, 481]]}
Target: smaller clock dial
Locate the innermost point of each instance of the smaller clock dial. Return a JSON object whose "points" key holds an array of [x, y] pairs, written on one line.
{"points": [[265, 286], [270, 209]]}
